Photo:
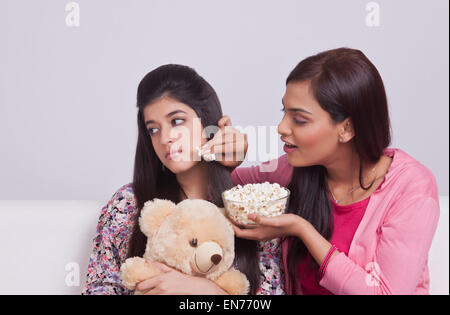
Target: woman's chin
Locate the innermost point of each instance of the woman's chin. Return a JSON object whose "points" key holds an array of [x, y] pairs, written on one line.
{"points": [[294, 159], [178, 167]]}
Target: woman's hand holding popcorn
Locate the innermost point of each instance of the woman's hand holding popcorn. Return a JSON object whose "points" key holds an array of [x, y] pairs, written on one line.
{"points": [[269, 228], [228, 146]]}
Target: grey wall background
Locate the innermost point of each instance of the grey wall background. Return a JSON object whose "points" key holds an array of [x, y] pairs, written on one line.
{"points": [[67, 94]]}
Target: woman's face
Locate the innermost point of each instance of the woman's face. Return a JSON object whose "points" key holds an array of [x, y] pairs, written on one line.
{"points": [[310, 135], [175, 131]]}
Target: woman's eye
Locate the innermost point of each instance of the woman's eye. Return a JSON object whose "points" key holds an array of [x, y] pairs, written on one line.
{"points": [[177, 121], [152, 131], [299, 122]]}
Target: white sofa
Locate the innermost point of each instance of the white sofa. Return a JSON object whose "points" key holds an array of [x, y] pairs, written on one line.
{"points": [[46, 246]]}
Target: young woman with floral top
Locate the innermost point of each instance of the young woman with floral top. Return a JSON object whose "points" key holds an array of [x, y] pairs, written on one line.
{"points": [[176, 108]]}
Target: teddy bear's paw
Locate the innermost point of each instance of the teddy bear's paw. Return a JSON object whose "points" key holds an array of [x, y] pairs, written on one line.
{"points": [[135, 270], [234, 282]]}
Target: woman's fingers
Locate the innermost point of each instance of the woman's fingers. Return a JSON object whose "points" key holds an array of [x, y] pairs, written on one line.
{"points": [[154, 291], [162, 267], [228, 145], [246, 231], [229, 151], [224, 121], [231, 146], [252, 234], [148, 284], [261, 220], [264, 229], [153, 282], [238, 225], [226, 135]]}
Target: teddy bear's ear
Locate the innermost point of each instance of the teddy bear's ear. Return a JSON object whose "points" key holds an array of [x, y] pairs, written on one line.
{"points": [[153, 214]]}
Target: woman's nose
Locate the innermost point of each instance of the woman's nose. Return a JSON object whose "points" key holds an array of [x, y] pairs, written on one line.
{"points": [[167, 136], [283, 127]]}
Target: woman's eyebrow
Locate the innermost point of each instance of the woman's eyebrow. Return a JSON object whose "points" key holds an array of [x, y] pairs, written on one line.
{"points": [[175, 112], [168, 115], [298, 109]]}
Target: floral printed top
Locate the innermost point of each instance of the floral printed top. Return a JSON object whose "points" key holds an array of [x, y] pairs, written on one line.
{"points": [[110, 246]]}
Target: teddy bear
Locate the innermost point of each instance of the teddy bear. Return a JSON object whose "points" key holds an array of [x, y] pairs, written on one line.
{"points": [[193, 237]]}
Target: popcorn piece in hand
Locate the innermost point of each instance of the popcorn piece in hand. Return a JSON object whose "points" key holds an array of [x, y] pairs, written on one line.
{"points": [[206, 156]]}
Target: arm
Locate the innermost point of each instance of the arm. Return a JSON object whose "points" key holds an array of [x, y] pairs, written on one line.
{"points": [[401, 255], [286, 225], [105, 260], [317, 245], [273, 171], [404, 241], [168, 282]]}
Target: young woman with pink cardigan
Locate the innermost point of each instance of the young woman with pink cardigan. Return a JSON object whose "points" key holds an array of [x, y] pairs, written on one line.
{"points": [[361, 216]]}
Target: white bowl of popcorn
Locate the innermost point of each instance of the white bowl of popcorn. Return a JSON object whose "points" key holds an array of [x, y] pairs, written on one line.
{"points": [[265, 199]]}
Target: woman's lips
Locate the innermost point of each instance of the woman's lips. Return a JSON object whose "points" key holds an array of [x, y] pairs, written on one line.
{"points": [[172, 155], [289, 148]]}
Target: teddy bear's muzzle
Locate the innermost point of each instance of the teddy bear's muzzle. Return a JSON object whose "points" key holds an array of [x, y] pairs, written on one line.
{"points": [[206, 257]]}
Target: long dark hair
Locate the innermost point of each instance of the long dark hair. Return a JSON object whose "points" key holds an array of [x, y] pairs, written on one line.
{"points": [[345, 84], [150, 181]]}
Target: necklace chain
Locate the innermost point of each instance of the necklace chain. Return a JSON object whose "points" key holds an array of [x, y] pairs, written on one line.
{"points": [[353, 189]]}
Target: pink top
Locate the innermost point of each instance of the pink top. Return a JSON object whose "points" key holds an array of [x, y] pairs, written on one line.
{"points": [[346, 220], [388, 253]]}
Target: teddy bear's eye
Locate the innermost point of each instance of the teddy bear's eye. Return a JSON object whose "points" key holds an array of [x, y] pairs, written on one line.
{"points": [[193, 242]]}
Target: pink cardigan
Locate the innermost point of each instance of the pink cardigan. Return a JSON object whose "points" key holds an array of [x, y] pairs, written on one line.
{"points": [[389, 252]]}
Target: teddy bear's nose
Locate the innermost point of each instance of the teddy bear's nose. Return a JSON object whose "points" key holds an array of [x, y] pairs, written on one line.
{"points": [[216, 259]]}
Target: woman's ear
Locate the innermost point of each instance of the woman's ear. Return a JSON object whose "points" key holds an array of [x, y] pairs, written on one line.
{"points": [[153, 214], [346, 130]]}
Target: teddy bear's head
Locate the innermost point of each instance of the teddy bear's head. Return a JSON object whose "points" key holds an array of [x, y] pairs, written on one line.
{"points": [[193, 236]]}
